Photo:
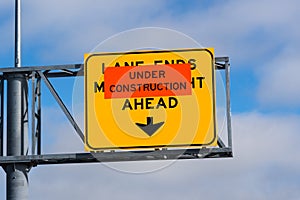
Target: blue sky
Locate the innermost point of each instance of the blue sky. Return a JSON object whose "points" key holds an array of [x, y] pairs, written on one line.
{"points": [[261, 37]]}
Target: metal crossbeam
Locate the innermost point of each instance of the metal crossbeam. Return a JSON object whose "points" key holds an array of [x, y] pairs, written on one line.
{"points": [[118, 156], [40, 68]]}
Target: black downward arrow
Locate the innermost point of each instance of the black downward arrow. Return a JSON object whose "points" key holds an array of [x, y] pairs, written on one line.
{"points": [[150, 128]]}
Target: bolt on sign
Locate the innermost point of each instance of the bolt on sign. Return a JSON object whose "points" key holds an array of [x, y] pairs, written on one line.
{"points": [[150, 99]]}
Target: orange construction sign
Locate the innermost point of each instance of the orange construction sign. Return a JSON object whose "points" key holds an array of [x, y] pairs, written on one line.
{"points": [[147, 81]]}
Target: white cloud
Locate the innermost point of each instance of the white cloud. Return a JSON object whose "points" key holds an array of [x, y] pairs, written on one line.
{"points": [[6, 33], [263, 167], [245, 30], [72, 28], [279, 85], [59, 135]]}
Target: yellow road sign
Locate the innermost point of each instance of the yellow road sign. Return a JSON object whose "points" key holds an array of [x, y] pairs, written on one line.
{"points": [[183, 116]]}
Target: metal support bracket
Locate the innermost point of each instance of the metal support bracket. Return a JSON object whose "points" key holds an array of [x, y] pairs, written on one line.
{"points": [[62, 105]]}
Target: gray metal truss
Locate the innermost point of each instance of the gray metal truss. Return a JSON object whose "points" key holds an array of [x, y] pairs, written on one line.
{"points": [[44, 73]]}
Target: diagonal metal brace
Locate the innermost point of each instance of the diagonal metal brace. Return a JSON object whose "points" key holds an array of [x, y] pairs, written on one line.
{"points": [[62, 105], [221, 143]]}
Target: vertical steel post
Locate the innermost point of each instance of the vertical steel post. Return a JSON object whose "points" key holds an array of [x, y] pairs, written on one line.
{"points": [[1, 116], [39, 116], [36, 114], [228, 104], [33, 115], [17, 122]]}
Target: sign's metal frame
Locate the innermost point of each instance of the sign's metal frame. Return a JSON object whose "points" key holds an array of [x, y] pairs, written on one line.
{"points": [[38, 74]]}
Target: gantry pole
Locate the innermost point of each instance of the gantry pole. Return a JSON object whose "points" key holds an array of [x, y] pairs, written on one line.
{"points": [[17, 121]]}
